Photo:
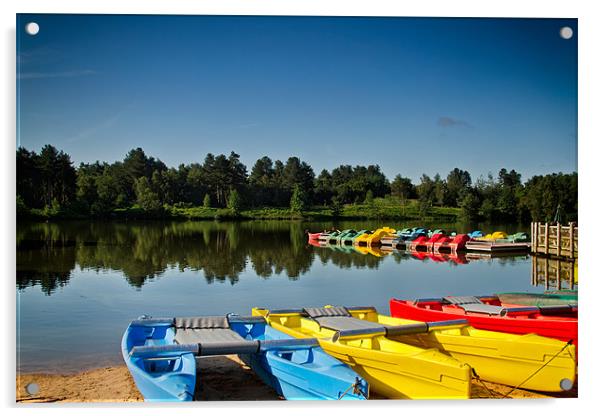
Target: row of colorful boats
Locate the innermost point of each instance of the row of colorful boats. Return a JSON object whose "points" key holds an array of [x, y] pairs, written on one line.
{"points": [[416, 238], [426, 349]]}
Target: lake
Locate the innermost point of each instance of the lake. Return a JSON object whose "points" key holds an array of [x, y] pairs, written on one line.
{"points": [[80, 283]]}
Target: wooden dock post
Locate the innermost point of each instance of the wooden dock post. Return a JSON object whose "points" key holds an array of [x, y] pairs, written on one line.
{"points": [[571, 242], [572, 276], [558, 239], [558, 280], [547, 238]]}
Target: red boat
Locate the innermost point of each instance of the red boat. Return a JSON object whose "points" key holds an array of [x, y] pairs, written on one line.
{"points": [[489, 313], [313, 236], [451, 245], [423, 243]]}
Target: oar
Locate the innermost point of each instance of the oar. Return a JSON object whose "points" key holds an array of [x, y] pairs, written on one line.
{"points": [[398, 330], [221, 348], [542, 310]]}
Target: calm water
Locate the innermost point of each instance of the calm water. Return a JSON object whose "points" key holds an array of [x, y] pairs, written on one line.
{"points": [[79, 284]]}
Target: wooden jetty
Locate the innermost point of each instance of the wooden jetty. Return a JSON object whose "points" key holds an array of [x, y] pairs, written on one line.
{"points": [[497, 247], [553, 273], [555, 240]]}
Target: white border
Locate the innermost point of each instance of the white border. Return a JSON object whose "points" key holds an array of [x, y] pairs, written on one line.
{"points": [[590, 71]]}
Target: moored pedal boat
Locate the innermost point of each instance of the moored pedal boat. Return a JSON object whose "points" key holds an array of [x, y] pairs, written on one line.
{"points": [[374, 238], [393, 369], [161, 356], [329, 237], [345, 234], [313, 236]]}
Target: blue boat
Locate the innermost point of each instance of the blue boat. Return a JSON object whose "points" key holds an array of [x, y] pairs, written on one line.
{"points": [[161, 355], [409, 234]]}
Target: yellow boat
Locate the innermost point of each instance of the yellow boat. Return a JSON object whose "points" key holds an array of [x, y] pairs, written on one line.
{"points": [[374, 238], [531, 361], [377, 252], [498, 235], [393, 369]]}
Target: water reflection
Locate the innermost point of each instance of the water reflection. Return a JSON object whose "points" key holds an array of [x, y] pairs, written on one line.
{"points": [[48, 253], [553, 273]]}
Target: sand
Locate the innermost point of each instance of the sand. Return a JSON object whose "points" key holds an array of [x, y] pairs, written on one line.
{"points": [[225, 378]]}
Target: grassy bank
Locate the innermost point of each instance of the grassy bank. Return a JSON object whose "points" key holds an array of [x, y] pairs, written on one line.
{"points": [[380, 208]]}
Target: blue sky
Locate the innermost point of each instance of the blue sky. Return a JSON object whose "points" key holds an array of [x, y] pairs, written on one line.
{"points": [[414, 95]]}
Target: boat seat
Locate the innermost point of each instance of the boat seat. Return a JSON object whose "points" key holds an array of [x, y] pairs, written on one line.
{"points": [[202, 322], [320, 312], [205, 336], [346, 323], [338, 318], [482, 308], [204, 330], [474, 305], [461, 300]]}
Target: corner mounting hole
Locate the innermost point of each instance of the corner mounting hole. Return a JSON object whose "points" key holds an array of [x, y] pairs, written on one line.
{"points": [[32, 389], [566, 32], [32, 28]]}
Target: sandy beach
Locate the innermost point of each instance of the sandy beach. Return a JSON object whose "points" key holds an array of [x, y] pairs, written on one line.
{"points": [[225, 378]]}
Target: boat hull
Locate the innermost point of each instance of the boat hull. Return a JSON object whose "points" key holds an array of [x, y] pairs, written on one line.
{"points": [[500, 357], [304, 374], [394, 370], [564, 329], [159, 381]]}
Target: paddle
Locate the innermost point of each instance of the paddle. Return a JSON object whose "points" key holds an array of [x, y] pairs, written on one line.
{"points": [[221, 348], [542, 310], [398, 330]]}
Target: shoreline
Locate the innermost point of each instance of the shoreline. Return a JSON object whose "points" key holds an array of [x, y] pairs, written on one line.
{"points": [[224, 378]]}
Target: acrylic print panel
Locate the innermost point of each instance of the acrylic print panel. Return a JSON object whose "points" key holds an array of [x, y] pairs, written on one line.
{"points": [[193, 191]]}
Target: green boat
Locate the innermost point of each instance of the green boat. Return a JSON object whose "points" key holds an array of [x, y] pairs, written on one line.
{"points": [[560, 297], [344, 234], [329, 237], [347, 239]]}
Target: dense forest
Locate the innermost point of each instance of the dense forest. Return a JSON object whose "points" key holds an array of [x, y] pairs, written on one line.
{"points": [[49, 186]]}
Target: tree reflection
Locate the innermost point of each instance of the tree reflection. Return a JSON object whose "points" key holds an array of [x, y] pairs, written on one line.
{"points": [[47, 253]]}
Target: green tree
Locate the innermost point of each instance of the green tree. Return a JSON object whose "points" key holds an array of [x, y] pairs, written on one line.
{"points": [[262, 182], [439, 190], [298, 173], [145, 197], [402, 188], [323, 188], [488, 210], [207, 201], [458, 181], [369, 197], [336, 206], [298, 200], [470, 204], [234, 202]]}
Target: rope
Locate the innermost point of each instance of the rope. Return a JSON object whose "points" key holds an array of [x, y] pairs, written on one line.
{"points": [[570, 342], [356, 389], [480, 380]]}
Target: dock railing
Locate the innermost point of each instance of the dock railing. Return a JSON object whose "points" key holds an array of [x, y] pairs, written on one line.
{"points": [[555, 239]]}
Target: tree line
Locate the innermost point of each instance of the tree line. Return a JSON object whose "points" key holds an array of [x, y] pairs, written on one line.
{"points": [[48, 182]]}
